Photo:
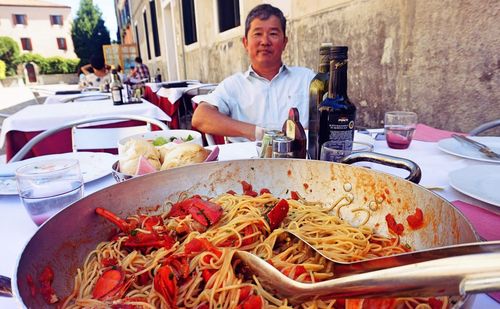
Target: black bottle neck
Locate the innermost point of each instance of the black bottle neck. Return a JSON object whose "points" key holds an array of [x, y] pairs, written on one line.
{"points": [[337, 85]]}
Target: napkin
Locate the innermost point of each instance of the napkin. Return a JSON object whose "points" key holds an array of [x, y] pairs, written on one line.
{"points": [[425, 133], [486, 224]]}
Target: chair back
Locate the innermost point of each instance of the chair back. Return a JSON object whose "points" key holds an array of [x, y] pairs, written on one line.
{"points": [[484, 127], [113, 138], [84, 138]]}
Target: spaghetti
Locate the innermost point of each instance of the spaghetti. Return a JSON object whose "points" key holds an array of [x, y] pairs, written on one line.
{"points": [[199, 269]]}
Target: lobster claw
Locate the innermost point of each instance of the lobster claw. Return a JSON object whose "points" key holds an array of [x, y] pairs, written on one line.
{"points": [[112, 285], [204, 212], [165, 283]]}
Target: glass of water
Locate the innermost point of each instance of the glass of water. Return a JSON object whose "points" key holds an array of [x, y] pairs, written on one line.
{"points": [[399, 127], [45, 187]]}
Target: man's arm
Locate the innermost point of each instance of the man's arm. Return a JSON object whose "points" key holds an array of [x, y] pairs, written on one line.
{"points": [[208, 119]]}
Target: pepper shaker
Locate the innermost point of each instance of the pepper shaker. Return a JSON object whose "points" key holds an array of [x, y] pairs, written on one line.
{"points": [[282, 147]]}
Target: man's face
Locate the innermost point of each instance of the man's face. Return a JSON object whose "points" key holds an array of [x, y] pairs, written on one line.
{"points": [[265, 42]]}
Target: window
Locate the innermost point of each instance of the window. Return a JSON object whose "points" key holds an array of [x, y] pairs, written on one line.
{"points": [[137, 40], [146, 32], [189, 22], [154, 25], [229, 14], [56, 20], [61, 43], [26, 43], [20, 19]]}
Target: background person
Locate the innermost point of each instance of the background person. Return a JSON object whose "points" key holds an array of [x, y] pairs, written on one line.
{"points": [[243, 104], [140, 72], [97, 73]]}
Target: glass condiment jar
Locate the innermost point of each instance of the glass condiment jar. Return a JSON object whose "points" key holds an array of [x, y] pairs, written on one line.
{"points": [[282, 147]]}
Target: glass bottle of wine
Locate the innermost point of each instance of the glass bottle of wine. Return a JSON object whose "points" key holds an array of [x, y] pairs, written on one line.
{"points": [[337, 113], [116, 88], [317, 89]]}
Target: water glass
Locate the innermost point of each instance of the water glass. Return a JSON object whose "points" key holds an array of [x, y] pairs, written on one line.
{"points": [[334, 151], [45, 187], [399, 127]]}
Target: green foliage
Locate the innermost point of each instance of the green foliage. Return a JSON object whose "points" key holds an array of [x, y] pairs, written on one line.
{"points": [[2, 70], [51, 65], [9, 53], [88, 31]]}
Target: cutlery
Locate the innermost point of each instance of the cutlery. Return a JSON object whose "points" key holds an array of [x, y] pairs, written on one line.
{"points": [[481, 147], [343, 269], [458, 275]]}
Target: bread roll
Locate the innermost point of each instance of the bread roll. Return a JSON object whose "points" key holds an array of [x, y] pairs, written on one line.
{"points": [[184, 154], [132, 150]]}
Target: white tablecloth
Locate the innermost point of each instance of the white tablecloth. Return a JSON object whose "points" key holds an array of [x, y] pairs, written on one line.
{"points": [[16, 227], [45, 116], [84, 96]]}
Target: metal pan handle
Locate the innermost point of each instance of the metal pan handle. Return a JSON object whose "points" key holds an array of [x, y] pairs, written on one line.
{"points": [[412, 167]]}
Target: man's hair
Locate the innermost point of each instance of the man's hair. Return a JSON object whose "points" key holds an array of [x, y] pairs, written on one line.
{"points": [[264, 11], [138, 59], [97, 62]]}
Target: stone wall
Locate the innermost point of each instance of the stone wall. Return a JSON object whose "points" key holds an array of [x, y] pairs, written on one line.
{"points": [[440, 58]]}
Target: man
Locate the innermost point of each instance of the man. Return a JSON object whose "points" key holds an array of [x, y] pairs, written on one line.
{"points": [[140, 73], [245, 104]]}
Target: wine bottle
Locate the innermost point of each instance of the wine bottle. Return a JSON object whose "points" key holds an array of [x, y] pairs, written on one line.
{"points": [[294, 130], [116, 89], [317, 89], [158, 75], [337, 113]]}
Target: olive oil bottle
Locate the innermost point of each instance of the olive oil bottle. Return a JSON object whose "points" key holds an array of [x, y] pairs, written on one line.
{"points": [[337, 113]]}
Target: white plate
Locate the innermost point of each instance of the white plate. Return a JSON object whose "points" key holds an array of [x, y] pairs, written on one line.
{"points": [[478, 181], [93, 165], [454, 147]]}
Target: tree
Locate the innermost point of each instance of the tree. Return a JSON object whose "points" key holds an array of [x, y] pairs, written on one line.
{"points": [[9, 53], [88, 31]]}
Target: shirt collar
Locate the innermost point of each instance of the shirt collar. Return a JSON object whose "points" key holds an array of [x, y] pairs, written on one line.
{"points": [[251, 72]]}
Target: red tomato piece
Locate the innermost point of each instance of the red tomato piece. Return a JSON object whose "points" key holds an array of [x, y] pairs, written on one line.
{"points": [[416, 220]]}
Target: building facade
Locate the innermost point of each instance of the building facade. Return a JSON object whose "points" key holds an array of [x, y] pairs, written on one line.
{"points": [[439, 58], [38, 27]]}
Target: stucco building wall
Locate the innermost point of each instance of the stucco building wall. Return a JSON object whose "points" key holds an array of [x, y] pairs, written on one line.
{"points": [[440, 58], [43, 35]]}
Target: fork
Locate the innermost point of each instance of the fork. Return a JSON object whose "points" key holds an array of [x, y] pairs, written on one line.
{"points": [[343, 269], [481, 147]]}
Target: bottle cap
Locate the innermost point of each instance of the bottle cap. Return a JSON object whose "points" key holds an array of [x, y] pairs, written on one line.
{"points": [[325, 48], [282, 144], [339, 52]]}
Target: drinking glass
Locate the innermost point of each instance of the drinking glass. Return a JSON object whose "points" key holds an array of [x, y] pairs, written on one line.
{"points": [[334, 151], [45, 187], [399, 127]]}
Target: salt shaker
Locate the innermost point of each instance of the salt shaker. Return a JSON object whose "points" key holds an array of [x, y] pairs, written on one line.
{"points": [[282, 147]]}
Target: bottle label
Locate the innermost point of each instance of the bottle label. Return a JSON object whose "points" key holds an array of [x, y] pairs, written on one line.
{"points": [[116, 95], [290, 129]]}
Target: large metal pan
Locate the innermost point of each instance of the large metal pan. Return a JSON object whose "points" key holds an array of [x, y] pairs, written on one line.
{"points": [[65, 240]]}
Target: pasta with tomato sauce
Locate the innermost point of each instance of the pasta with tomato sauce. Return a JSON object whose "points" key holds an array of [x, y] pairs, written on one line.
{"points": [[185, 258]]}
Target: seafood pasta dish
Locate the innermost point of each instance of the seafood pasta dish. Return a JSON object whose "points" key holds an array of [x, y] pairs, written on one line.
{"points": [[185, 256]]}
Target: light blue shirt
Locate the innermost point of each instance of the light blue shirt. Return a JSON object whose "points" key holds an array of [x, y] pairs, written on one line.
{"points": [[251, 98]]}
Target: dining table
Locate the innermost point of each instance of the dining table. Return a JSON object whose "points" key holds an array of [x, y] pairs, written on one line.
{"points": [[24, 125], [171, 96], [16, 227]]}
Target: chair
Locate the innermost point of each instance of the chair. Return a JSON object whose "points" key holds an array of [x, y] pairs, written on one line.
{"points": [[484, 127], [93, 138]]}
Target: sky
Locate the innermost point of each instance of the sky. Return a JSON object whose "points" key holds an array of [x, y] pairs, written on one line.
{"points": [[107, 8]]}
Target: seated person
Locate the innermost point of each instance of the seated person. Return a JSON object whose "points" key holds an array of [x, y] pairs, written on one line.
{"points": [[140, 73], [245, 104], [97, 74]]}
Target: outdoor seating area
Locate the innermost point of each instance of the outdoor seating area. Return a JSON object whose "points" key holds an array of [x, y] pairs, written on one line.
{"points": [[249, 154]]}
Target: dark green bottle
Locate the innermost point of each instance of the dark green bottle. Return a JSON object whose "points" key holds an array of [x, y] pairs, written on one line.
{"points": [[317, 89], [337, 113]]}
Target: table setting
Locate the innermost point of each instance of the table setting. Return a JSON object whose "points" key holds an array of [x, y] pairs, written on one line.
{"points": [[450, 172], [24, 125]]}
